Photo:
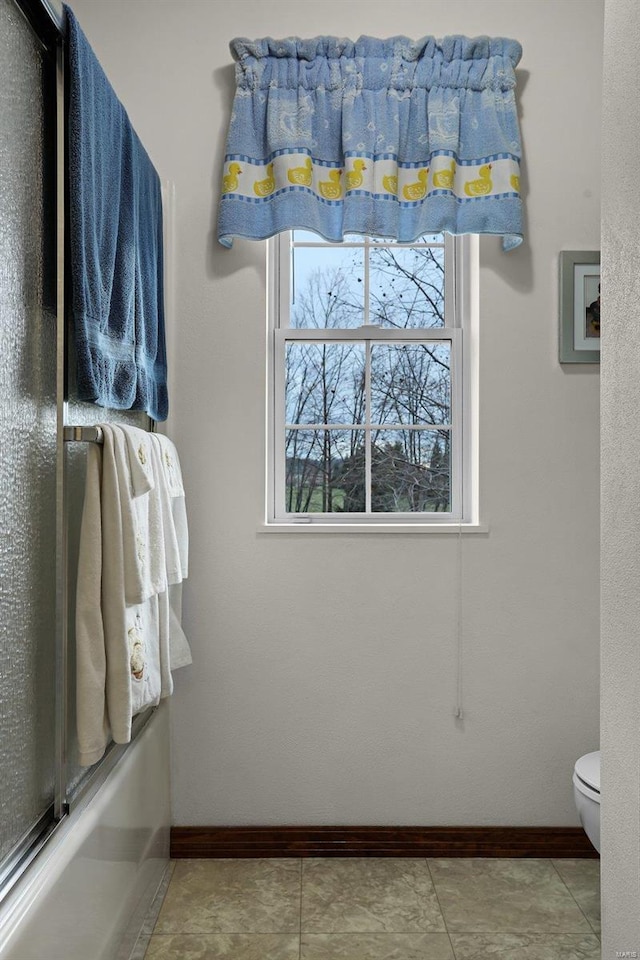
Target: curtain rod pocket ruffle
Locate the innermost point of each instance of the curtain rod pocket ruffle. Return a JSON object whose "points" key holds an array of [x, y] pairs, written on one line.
{"points": [[476, 64]]}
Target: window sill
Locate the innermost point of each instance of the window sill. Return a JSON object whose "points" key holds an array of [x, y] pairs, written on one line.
{"points": [[375, 528]]}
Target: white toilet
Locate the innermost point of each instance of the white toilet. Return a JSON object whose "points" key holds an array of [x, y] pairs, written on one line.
{"points": [[586, 791]]}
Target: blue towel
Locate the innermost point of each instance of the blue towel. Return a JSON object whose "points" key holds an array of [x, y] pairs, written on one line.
{"points": [[115, 206]]}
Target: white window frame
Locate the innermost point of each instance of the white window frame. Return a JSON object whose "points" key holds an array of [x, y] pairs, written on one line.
{"points": [[461, 265]]}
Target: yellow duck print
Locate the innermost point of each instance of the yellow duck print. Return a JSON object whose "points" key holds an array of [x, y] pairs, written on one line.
{"points": [[443, 179], [301, 175], [230, 182], [331, 189], [264, 187], [417, 190], [514, 180], [390, 183], [481, 186], [354, 177]]}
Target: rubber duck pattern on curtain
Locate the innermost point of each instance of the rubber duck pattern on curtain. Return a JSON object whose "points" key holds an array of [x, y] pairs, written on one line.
{"points": [[388, 138]]}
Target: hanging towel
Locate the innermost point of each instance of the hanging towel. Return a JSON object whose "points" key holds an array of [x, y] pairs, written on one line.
{"points": [[155, 536], [169, 479], [133, 678], [125, 649], [143, 535], [116, 245], [179, 648], [91, 659], [172, 498], [117, 646], [154, 529]]}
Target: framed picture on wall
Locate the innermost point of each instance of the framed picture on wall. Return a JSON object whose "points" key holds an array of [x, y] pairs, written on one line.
{"points": [[579, 306]]}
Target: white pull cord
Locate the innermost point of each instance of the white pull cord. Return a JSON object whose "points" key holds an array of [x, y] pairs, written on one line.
{"points": [[458, 712]]}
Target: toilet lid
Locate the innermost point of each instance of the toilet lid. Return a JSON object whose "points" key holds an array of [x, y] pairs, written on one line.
{"points": [[588, 770]]}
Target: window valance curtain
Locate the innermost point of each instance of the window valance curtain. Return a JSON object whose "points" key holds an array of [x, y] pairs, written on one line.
{"points": [[390, 138]]}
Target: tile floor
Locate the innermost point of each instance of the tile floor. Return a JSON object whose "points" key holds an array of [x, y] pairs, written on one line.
{"points": [[378, 909]]}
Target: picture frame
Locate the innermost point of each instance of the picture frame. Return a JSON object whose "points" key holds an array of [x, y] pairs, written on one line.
{"points": [[579, 329]]}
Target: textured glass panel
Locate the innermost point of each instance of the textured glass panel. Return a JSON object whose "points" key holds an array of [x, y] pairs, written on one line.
{"points": [[27, 435], [407, 287], [411, 383], [325, 471], [325, 383], [410, 471]]}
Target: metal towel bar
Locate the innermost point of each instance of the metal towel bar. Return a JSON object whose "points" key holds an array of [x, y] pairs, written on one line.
{"points": [[82, 434]]}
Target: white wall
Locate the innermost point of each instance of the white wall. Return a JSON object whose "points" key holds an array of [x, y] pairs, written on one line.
{"points": [[324, 677], [620, 484]]}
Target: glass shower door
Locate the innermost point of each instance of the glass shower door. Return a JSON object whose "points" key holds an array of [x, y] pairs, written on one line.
{"points": [[27, 433]]}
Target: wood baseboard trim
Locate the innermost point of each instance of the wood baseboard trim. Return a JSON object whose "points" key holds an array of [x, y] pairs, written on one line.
{"points": [[266, 842]]}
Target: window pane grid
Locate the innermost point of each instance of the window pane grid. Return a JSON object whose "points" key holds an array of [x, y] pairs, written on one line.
{"points": [[369, 467], [343, 286], [395, 458], [327, 472]]}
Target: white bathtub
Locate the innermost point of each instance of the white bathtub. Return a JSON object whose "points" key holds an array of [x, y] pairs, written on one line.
{"points": [[85, 896]]}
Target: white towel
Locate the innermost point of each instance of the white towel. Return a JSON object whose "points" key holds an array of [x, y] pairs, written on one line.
{"points": [[118, 657], [91, 661], [145, 566], [176, 537], [179, 649], [125, 650], [173, 501], [144, 625]]}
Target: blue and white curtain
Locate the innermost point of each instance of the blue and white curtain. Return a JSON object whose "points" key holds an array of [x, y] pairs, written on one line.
{"points": [[389, 138]]}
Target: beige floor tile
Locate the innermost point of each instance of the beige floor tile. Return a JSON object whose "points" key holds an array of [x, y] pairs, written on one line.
{"points": [[221, 946], [505, 896], [232, 896], [376, 946], [572, 946], [369, 896], [582, 877]]}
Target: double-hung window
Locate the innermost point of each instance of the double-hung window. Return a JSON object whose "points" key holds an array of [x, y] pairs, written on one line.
{"points": [[368, 381]]}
